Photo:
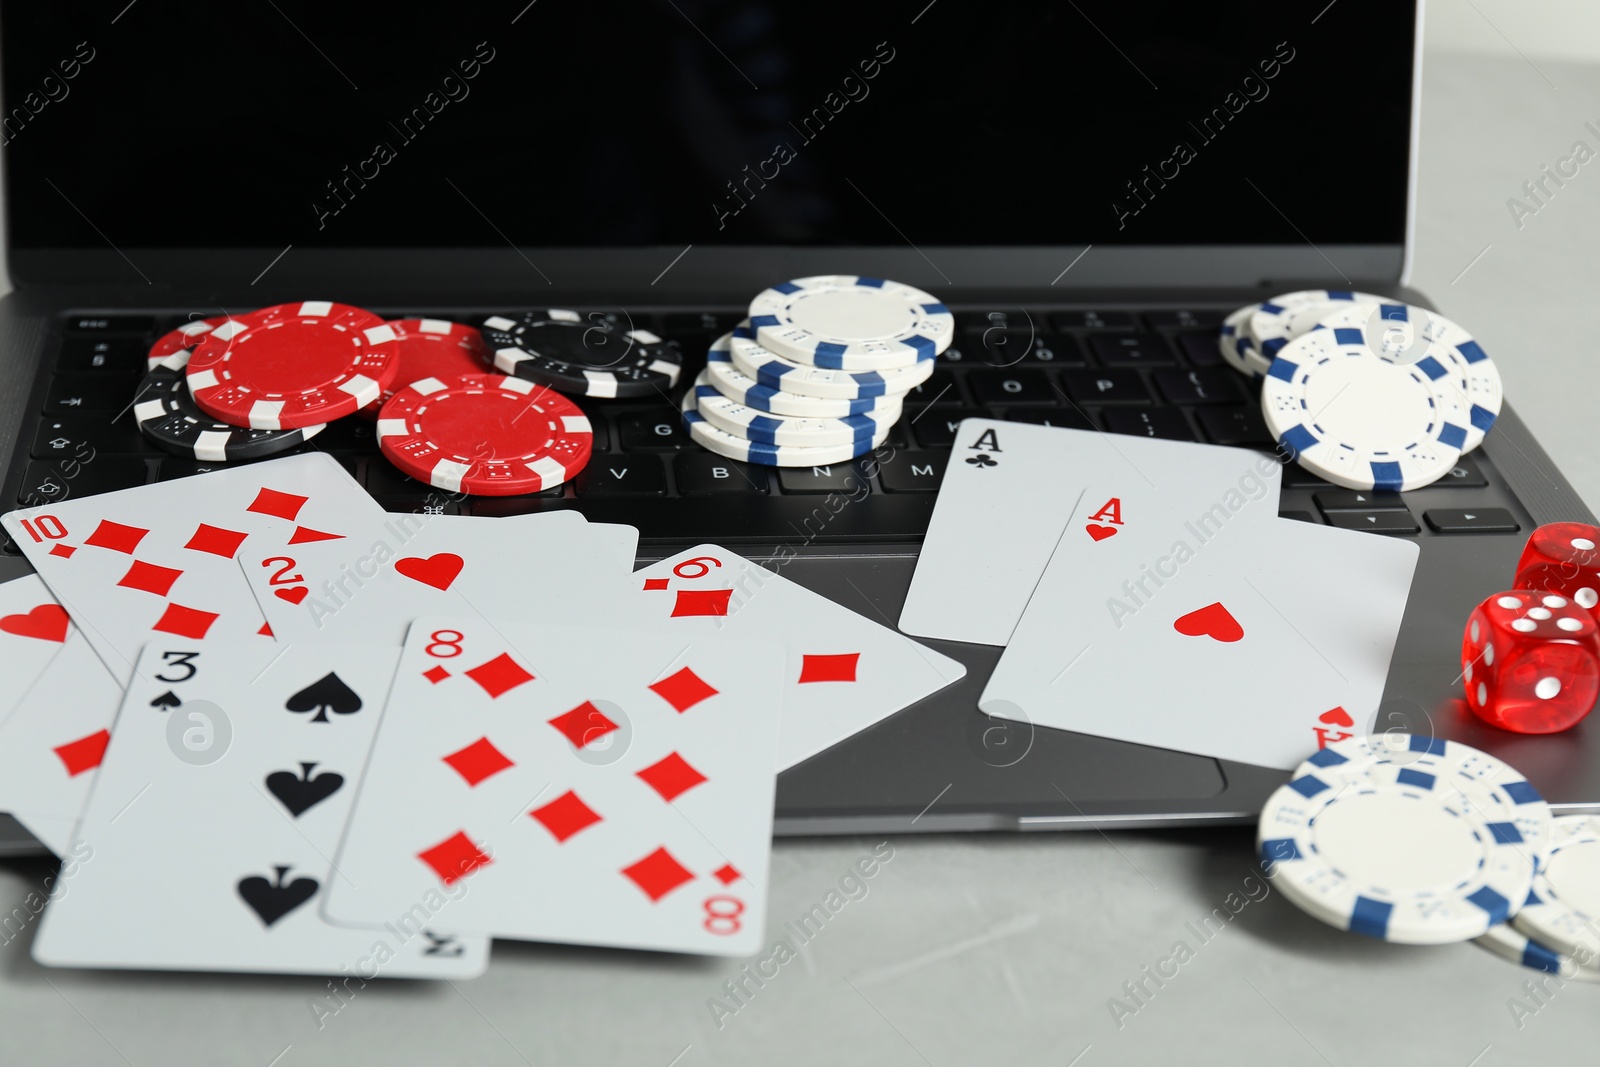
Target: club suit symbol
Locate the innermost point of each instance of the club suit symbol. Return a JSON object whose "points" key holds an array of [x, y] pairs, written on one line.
{"points": [[983, 459]]}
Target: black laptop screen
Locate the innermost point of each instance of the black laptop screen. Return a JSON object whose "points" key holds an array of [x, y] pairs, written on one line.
{"points": [[666, 122]]}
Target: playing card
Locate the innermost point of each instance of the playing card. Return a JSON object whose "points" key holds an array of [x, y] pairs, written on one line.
{"points": [[52, 740], [33, 627], [157, 562], [1005, 499], [370, 585], [1241, 645], [207, 837], [844, 671], [583, 786]]}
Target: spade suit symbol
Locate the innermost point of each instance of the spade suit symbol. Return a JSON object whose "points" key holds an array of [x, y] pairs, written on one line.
{"points": [[305, 792], [328, 693], [166, 701], [273, 900]]}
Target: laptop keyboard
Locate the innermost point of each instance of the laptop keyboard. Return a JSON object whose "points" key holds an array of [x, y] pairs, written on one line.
{"points": [[1155, 373]]}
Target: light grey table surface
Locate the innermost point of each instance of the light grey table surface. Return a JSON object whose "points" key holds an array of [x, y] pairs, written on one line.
{"points": [[1002, 949]]}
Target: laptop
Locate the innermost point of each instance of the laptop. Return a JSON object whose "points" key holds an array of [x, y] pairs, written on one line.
{"points": [[1089, 186]]}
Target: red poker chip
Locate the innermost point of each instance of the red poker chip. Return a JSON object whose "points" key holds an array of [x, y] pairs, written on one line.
{"points": [[186, 336], [484, 434], [293, 365], [433, 348]]}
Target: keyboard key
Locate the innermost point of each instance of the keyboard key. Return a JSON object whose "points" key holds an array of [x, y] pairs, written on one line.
{"points": [[1057, 348], [173, 467], [1296, 476], [68, 396], [1092, 320], [47, 482], [348, 435], [1300, 516], [996, 345], [1358, 500], [505, 507], [1388, 522], [83, 438], [386, 482], [1020, 343], [123, 356], [1200, 349], [1105, 386], [1130, 350], [936, 427], [1465, 475], [1238, 426], [1184, 319], [844, 478], [613, 475], [1066, 418], [703, 474], [960, 353], [651, 431], [95, 325], [1473, 520], [1012, 387], [940, 388], [716, 322], [441, 506], [912, 472], [1213, 385], [1166, 423]]}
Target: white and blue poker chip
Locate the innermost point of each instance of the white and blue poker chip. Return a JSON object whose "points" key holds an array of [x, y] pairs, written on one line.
{"points": [[727, 445], [1280, 320], [1233, 341], [1404, 333], [1510, 943], [1399, 854], [1358, 421], [785, 375], [1486, 781], [848, 322], [758, 426], [1564, 910], [745, 390]]}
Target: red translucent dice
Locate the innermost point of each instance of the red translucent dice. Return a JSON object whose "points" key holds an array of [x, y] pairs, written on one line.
{"points": [[1531, 661], [1563, 557]]}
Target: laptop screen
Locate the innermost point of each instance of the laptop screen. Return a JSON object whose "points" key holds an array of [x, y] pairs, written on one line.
{"points": [[664, 122]]}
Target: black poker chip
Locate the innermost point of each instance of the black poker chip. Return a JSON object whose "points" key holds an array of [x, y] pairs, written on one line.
{"points": [[560, 349], [168, 416]]}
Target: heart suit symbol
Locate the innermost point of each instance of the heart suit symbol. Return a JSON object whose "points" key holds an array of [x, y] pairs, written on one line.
{"points": [[437, 570], [1100, 533], [47, 622], [1213, 621], [1337, 717], [293, 595]]}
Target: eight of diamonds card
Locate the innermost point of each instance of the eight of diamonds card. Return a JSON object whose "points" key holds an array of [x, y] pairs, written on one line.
{"points": [[208, 834], [157, 562], [582, 786]]}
